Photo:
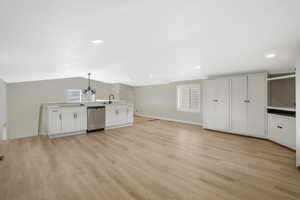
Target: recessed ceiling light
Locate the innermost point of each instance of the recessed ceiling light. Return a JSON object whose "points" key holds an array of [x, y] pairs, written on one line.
{"points": [[97, 41], [198, 67], [271, 55]]}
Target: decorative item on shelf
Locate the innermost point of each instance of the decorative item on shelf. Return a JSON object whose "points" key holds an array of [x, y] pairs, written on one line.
{"points": [[88, 94], [1, 157]]}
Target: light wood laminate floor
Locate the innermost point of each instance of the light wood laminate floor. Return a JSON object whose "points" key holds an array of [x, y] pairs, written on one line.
{"points": [[154, 159]]}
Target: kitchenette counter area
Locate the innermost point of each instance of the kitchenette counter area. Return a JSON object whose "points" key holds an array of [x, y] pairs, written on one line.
{"points": [[72, 118]]}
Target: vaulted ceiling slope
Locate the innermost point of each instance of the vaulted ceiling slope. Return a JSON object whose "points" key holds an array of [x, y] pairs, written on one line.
{"points": [[142, 42]]}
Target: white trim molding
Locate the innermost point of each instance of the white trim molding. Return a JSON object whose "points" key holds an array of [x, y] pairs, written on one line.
{"points": [[168, 119]]}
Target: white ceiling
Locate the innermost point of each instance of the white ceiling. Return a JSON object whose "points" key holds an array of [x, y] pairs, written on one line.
{"points": [[145, 42]]}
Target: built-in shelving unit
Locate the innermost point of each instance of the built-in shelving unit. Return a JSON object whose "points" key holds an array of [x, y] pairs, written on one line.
{"points": [[282, 77], [282, 93], [282, 109], [291, 109]]}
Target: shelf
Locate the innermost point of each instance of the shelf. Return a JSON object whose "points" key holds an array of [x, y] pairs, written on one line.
{"points": [[282, 77], [291, 109]]}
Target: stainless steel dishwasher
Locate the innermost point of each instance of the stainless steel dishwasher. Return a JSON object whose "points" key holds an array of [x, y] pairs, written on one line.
{"points": [[95, 118]]}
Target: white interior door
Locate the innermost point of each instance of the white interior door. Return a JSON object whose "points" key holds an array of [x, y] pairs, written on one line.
{"points": [[221, 113], [256, 117], [239, 104], [209, 104]]}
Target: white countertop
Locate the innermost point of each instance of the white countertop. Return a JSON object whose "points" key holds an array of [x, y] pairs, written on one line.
{"points": [[72, 104]]}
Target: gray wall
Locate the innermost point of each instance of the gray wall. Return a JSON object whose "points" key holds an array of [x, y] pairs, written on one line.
{"points": [[3, 107], [160, 101], [126, 92], [298, 111], [24, 100]]}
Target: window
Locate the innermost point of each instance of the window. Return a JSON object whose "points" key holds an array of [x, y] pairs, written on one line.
{"points": [[188, 98], [73, 95], [76, 95]]}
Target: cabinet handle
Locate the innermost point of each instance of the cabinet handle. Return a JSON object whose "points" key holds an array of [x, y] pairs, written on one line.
{"points": [[117, 112], [247, 101], [279, 127], [59, 116], [215, 100]]}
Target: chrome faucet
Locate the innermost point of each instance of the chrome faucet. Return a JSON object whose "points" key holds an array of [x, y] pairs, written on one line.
{"points": [[109, 98]]}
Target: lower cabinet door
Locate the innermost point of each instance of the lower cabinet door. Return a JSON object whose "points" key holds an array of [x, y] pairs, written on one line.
{"points": [[54, 121], [80, 121], [68, 122], [282, 129], [122, 114], [109, 116], [130, 114]]}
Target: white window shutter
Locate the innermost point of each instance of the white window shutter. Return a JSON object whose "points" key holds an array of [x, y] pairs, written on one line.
{"points": [[195, 98], [183, 97], [188, 98]]}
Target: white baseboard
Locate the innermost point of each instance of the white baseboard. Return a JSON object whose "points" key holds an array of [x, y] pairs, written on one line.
{"points": [[118, 126], [4, 133], [66, 134], [169, 119]]}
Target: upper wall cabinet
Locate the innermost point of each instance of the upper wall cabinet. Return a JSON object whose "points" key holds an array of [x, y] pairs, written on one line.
{"points": [[236, 104]]}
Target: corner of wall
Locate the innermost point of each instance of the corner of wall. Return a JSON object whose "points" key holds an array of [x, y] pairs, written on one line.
{"points": [[298, 111], [3, 106]]}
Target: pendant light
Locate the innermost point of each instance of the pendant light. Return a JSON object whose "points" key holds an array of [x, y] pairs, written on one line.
{"points": [[89, 90]]}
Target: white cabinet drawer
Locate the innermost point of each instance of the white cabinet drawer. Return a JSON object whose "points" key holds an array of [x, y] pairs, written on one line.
{"points": [[282, 129]]}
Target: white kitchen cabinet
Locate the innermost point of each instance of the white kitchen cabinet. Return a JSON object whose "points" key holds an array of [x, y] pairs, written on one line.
{"points": [[54, 121], [118, 115], [282, 130], [80, 119], [216, 105], [236, 104], [130, 113], [74, 119], [66, 120]]}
